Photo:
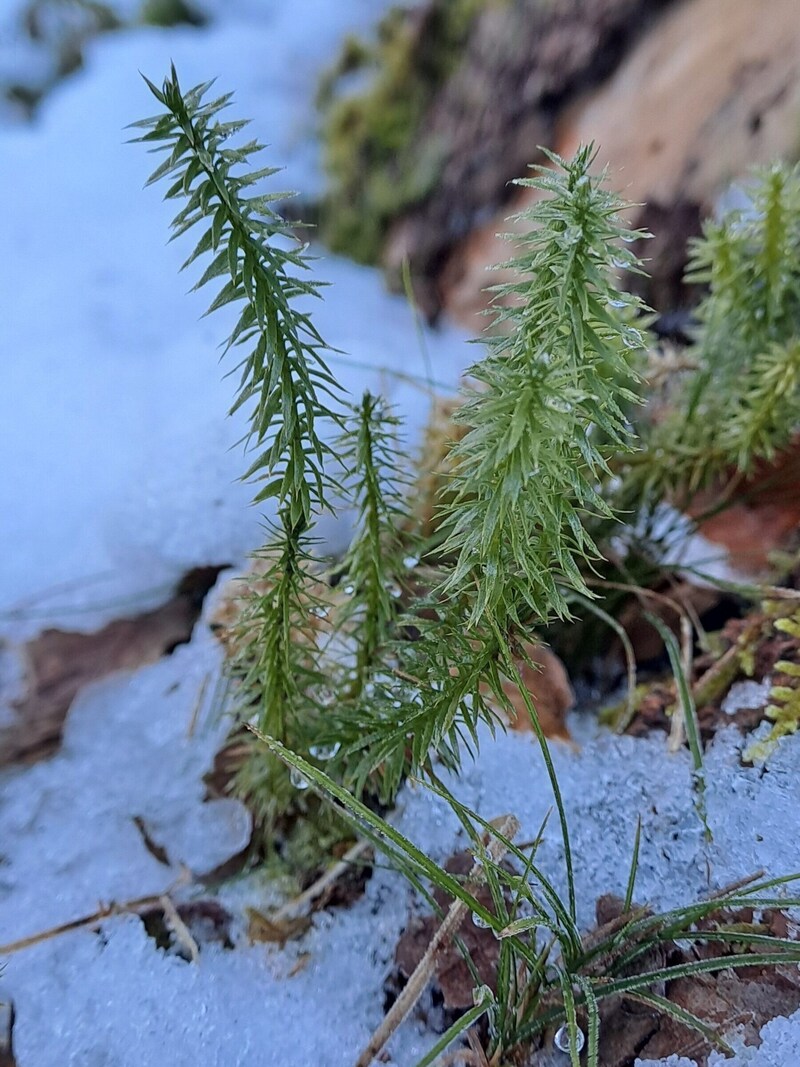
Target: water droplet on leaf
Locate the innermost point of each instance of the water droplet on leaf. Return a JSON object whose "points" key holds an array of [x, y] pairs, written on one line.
{"points": [[632, 339], [298, 779], [325, 752], [558, 403], [561, 1039], [324, 696]]}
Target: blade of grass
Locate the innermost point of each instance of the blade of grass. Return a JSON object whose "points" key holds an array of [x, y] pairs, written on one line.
{"points": [[634, 866], [512, 672], [458, 1027], [630, 656], [572, 1018], [593, 1012], [684, 692], [383, 829], [681, 1015]]}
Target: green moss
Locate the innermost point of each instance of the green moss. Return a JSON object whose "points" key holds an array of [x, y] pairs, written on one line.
{"points": [[376, 166], [292, 828], [784, 706]]}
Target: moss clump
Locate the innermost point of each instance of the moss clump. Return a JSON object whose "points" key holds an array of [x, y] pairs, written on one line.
{"points": [[784, 706], [376, 165]]}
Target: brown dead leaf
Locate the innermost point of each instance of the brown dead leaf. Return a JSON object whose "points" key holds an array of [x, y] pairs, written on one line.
{"points": [[261, 928], [763, 516], [549, 686], [746, 999], [59, 663], [452, 974]]}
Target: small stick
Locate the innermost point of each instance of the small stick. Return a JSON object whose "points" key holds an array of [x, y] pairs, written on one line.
{"points": [[198, 705], [316, 889], [105, 911], [507, 826], [179, 928]]}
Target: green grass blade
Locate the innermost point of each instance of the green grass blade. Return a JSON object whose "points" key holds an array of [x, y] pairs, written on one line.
{"points": [[630, 657], [681, 1015], [684, 691], [634, 866], [572, 1018], [383, 829], [458, 1028], [593, 1012]]}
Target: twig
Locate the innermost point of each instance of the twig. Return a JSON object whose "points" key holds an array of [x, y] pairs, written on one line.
{"points": [[507, 826], [106, 911], [316, 889], [198, 705], [179, 928]]}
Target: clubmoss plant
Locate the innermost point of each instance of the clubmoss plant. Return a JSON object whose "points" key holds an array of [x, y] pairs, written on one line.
{"points": [[545, 416], [284, 377], [344, 661], [741, 402]]}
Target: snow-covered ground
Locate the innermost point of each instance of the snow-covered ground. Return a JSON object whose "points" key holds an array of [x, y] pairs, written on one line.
{"points": [[117, 477], [112, 400]]}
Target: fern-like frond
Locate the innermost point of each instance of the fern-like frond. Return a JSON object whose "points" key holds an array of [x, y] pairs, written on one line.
{"points": [[742, 402], [547, 411], [378, 555], [284, 377]]}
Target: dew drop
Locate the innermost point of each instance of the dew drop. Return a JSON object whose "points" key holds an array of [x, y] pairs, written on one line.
{"points": [[324, 696], [393, 590], [620, 264], [618, 303], [324, 752], [298, 779], [410, 562], [349, 590], [319, 611], [480, 922], [632, 339], [561, 1039]]}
